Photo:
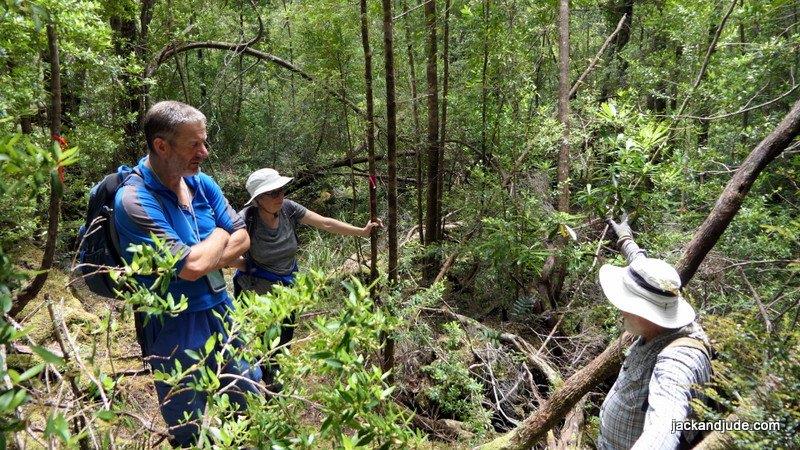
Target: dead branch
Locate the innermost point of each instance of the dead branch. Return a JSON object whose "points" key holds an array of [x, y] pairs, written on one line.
{"points": [[596, 58], [307, 176], [571, 432], [552, 375], [745, 108], [761, 309], [574, 388]]}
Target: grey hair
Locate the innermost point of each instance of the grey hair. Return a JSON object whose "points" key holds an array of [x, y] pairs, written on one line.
{"points": [[163, 119]]}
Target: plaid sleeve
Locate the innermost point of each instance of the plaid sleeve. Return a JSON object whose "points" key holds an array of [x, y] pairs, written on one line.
{"points": [[676, 372]]}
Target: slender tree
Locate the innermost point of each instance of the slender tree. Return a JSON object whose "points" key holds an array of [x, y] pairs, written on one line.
{"points": [[443, 130], [415, 117], [563, 104], [56, 190], [432, 219], [391, 153], [373, 194]]}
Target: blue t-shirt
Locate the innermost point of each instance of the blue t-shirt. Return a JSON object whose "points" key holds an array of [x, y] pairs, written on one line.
{"points": [[143, 206]]}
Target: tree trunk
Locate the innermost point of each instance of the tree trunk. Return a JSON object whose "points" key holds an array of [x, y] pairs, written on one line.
{"points": [[415, 117], [554, 271], [125, 38], [56, 191], [26, 125], [443, 132], [373, 186], [432, 219], [484, 80], [734, 193], [563, 104], [391, 153]]}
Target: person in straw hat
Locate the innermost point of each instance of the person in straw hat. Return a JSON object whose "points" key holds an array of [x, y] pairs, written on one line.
{"points": [[272, 221], [669, 359]]}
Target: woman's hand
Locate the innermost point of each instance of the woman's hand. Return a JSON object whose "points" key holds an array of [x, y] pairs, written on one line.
{"points": [[367, 230]]}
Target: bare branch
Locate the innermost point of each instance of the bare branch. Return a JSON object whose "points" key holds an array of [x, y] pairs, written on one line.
{"points": [[596, 58]]}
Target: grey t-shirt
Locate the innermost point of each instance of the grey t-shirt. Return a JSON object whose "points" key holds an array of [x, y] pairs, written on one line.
{"points": [[274, 249]]}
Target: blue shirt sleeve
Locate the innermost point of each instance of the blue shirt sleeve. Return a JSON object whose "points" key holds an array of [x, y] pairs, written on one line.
{"points": [[138, 215], [225, 216]]}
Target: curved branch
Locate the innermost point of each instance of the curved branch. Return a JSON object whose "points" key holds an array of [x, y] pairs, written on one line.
{"points": [[175, 48]]}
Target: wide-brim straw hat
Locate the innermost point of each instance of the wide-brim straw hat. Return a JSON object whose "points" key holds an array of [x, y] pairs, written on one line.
{"points": [[648, 288], [264, 180]]}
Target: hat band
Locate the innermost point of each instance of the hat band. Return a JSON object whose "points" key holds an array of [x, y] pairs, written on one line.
{"points": [[647, 286]]}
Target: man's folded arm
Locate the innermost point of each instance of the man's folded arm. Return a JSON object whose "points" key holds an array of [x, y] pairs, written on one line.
{"points": [[238, 244], [205, 256]]}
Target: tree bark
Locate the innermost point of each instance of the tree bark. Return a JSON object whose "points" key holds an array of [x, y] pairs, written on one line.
{"points": [[417, 128], [484, 80], [561, 402], [563, 104], [432, 219], [443, 124], [373, 186], [35, 286], [735, 191], [391, 153]]}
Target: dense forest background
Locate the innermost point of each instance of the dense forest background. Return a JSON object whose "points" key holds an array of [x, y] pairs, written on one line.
{"points": [[498, 136]]}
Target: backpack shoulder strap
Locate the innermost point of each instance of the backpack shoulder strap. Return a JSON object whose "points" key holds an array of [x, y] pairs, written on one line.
{"points": [[249, 214], [691, 342]]}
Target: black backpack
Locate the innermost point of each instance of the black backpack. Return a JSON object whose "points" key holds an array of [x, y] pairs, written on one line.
{"points": [[98, 241]]}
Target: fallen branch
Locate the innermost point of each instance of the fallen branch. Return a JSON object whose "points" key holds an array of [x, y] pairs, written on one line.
{"points": [[552, 375], [571, 432], [561, 402], [761, 309]]}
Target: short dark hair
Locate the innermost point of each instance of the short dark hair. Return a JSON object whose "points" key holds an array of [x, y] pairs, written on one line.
{"points": [[164, 118]]}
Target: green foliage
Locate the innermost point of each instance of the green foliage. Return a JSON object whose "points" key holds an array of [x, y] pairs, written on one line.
{"points": [[453, 390], [25, 167], [154, 262]]}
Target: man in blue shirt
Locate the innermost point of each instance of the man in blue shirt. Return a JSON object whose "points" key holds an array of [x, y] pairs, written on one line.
{"points": [[169, 197]]}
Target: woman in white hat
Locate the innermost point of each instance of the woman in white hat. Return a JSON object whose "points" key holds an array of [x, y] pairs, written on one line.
{"points": [[670, 357], [272, 222]]}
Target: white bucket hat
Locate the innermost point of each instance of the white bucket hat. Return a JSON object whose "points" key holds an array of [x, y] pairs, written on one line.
{"points": [[264, 180], [648, 288]]}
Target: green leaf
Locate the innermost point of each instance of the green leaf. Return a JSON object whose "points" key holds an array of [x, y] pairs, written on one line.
{"points": [[334, 363], [106, 415], [48, 356], [193, 354], [30, 373], [209, 346], [57, 427]]}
